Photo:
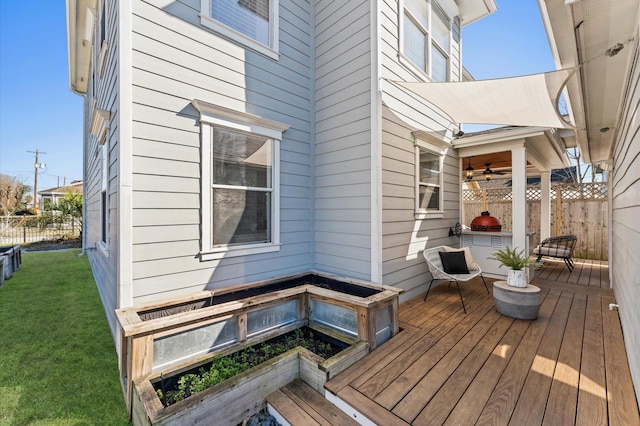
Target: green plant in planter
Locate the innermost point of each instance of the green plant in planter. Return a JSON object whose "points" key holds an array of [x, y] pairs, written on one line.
{"points": [[511, 258], [223, 367]]}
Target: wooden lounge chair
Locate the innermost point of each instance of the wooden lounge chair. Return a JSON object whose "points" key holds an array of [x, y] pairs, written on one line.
{"points": [[437, 270], [558, 247]]}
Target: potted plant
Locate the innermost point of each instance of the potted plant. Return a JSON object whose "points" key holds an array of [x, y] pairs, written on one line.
{"points": [[516, 261]]}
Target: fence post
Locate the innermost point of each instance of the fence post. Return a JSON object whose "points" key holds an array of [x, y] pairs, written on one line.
{"points": [[558, 210], [24, 235], [484, 199]]}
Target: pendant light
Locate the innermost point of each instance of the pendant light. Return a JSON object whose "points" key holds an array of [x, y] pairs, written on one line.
{"points": [[469, 171]]}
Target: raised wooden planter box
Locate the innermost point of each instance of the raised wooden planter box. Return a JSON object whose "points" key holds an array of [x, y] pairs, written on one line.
{"points": [[233, 400], [179, 333], [11, 259]]}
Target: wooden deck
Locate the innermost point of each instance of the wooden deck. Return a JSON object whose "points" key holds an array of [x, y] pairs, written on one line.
{"points": [[568, 366]]}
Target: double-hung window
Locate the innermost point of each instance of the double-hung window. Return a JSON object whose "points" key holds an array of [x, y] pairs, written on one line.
{"points": [[429, 187], [253, 23], [104, 197], [99, 127], [425, 38], [240, 187], [429, 161]]}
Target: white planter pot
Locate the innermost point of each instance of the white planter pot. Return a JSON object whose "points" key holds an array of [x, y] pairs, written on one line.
{"points": [[517, 278]]}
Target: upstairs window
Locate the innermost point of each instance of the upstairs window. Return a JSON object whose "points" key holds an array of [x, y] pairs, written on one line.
{"points": [[253, 23], [440, 43], [425, 38]]}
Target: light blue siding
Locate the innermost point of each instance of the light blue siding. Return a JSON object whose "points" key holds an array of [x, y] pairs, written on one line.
{"points": [[343, 139], [402, 235], [176, 60], [103, 88], [625, 210]]}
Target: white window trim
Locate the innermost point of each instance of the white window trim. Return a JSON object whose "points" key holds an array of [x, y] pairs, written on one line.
{"points": [[425, 141], [104, 50], [216, 116], [99, 128], [271, 51], [103, 246], [425, 75]]}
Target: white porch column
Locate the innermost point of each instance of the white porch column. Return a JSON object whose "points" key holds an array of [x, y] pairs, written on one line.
{"points": [[545, 205], [519, 201]]}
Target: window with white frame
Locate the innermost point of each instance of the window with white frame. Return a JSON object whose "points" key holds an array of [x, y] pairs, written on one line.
{"points": [[253, 23], [241, 188], [240, 184], [429, 157], [425, 38], [99, 127], [104, 195]]}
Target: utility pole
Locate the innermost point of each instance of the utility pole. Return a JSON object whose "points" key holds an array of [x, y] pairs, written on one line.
{"points": [[36, 166]]}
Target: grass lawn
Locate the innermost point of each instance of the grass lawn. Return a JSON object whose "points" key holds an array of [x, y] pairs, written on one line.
{"points": [[58, 364]]}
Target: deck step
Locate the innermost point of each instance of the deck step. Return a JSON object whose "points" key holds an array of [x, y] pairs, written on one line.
{"points": [[299, 404]]}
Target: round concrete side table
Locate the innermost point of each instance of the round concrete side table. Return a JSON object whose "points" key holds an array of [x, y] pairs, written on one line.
{"points": [[517, 302]]}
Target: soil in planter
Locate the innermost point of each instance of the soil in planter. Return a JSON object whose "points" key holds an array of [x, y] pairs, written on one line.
{"points": [[176, 388], [317, 280]]}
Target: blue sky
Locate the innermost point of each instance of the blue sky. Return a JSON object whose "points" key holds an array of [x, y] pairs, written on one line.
{"points": [[510, 42], [38, 111]]}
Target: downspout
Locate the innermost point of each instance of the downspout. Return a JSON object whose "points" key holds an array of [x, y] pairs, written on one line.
{"points": [[376, 144], [312, 141], [84, 173], [124, 239]]}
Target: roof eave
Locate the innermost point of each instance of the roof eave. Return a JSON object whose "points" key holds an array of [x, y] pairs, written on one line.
{"points": [[564, 51], [80, 25], [474, 10]]}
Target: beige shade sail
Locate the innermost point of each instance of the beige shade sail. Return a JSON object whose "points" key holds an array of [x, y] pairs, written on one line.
{"points": [[529, 100]]}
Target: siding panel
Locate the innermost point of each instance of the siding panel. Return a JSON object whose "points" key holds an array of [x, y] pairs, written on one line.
{"points": [[343, 135], [175, 60], [104, 89], [625, 209], [403, 237]]}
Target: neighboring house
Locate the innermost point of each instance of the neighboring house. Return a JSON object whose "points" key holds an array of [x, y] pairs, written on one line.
{"points": [[603, 38], [234, 141], [51, 196]]}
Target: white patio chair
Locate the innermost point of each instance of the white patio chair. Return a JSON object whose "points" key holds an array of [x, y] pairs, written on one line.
{"points": [[436, 269]]}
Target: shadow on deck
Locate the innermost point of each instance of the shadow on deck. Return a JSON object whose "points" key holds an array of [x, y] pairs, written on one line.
{"points": [[569, 366]]}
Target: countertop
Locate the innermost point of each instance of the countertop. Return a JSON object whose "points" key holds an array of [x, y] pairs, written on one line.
{"points": [[499, 233]]}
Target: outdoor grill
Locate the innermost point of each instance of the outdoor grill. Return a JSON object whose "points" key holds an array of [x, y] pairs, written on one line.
{"points": [[486, 223]]}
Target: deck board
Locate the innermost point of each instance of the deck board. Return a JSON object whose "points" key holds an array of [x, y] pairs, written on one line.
{"points": [[438, 408], [469, 407], [530, 409], [439, 342], [412, 404], [622, 406], [504, 397], [568, 366], [592, 397], [563, 395]]}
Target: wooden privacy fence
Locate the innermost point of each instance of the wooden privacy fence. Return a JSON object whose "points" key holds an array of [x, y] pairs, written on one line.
{"points": [[579, 209]]}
